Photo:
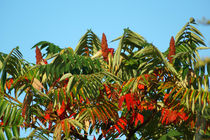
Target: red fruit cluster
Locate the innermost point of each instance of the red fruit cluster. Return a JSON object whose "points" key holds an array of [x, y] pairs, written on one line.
{"points": [[172, 49], [39, 58], [105, 49]]}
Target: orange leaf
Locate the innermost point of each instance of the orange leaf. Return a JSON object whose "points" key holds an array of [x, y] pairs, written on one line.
{"points": [[123, 120], [47, 116], [128, 100], [118, 129], [140, 86], [183, 116], [9, 83], [140, 117], [121, 101], [62, 109], [172, 115], [121, 125]]}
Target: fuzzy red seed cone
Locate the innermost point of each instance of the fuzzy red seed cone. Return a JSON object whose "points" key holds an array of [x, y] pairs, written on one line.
{"points": [[104, 47], [38, 55], [172, 49]]}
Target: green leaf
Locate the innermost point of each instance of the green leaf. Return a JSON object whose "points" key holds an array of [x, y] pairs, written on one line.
{"points": [[67, 75], [18, 117], [8, 132], [12, 115], [2, 137], [174, 133], [202, 48], [70, 84], [164, 137], [3, 108], [15, 131], [7, 113], [196, 30]]}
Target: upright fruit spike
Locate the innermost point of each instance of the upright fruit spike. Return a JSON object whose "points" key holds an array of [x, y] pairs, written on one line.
{"points": [[104, 47], [172, 49], [104, 50], [38, 55]]}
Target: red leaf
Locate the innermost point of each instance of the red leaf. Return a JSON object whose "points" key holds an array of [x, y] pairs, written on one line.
{"points": [[123, 120], [47, 116], [132, 101], [192, 124], [164, 115], [118, 129], [121, 125], [111, 50], [121, 101], [183, 116], [136, 122], [140, 86], [128, 101], [140, 117], [172, 116], [50, 125], [62, 109], [146, 76], [45, 62], [1, 123], [9, 83], [72, 115], [94, 138], [165, 97]]}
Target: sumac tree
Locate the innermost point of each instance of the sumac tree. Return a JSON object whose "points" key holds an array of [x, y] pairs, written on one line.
{"points": [[94, 92]]}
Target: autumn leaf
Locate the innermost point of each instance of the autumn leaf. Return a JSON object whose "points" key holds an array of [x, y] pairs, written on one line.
{"points": [[140, 86], [121, 101], [47, 116], [9, 82], [37, 84], [62, 109]]}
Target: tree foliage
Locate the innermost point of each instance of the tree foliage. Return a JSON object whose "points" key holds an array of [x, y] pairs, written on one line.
{"points": [[135, 92]]}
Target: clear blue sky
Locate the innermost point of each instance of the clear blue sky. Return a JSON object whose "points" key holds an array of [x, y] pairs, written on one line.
{"points": [[25, 22]]}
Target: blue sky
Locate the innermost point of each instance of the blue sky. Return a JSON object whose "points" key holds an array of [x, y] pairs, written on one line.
{"points": [[24, 23]]}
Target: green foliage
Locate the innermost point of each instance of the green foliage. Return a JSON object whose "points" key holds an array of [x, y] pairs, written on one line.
{"points": [[11, 120], [89, 42], [51, 48], [136, 92]]}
